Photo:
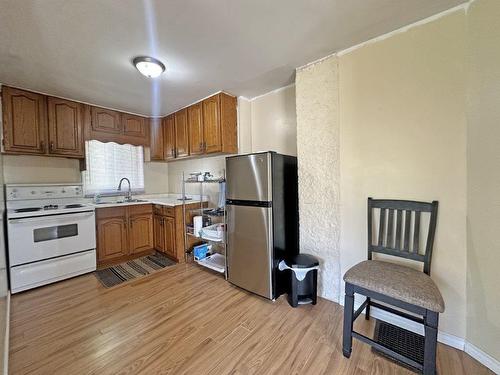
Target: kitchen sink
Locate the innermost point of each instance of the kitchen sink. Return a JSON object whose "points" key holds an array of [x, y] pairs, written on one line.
{"points": [[122, 202]]}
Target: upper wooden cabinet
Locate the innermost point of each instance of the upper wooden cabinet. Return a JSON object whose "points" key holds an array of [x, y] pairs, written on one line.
{"points": [[156, 128], [105, 120], [107, 125], [169, 137], [195, 127], [207, 127], [220, 124], [134, 126], [65, 119], [24, 121], [181, 134]]}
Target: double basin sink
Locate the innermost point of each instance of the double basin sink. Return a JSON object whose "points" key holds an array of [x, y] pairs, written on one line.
{"points": [[125, 201]]}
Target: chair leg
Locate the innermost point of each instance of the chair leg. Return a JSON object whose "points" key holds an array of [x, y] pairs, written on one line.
{"points": [[348, 321], [367, 309], [431, 331]]}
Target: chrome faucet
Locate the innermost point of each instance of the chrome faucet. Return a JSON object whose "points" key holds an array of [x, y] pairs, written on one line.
{"points": [[128, 197]]}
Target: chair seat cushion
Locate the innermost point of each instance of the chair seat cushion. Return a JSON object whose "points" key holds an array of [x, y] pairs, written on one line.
{"points": [[396, 281]]}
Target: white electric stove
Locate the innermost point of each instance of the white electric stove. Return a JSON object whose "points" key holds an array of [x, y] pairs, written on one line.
{"points": [[51, 234]]}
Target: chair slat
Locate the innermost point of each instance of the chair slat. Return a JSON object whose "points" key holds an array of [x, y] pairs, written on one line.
{"points": [[416, 233], [406, 246], [390, 229], [381, 227], [399, 220]]}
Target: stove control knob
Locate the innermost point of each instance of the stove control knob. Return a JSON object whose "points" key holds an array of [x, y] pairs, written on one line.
{"points": [[33, 192]]}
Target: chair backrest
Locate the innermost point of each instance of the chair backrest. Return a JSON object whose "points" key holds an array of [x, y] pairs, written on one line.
{"points": [[399, 229]]}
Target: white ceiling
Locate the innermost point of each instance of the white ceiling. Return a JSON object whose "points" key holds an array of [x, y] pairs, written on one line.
{"points": [[82, 49]]}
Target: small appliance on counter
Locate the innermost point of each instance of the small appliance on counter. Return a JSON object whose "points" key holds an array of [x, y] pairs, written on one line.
{"points": [[51, 234], [262, 220]]}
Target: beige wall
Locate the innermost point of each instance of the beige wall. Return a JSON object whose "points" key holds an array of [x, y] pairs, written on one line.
{"points": [[402, 135], [483, 303], [318, 164], [40, 169], [274, 123]]}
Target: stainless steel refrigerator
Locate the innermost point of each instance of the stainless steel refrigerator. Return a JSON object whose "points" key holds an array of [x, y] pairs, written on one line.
{"points": [[262, 220]]}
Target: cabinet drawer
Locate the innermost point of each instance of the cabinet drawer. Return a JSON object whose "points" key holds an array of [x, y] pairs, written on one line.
{"points": [[103, 213], [164, 210], [140, 209]]}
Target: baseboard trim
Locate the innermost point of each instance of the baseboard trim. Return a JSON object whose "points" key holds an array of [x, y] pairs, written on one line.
{"points": [[6, 338], [484, 358]]}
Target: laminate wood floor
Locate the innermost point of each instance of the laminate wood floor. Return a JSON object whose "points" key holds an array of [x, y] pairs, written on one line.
{"points": [[186, 320]]}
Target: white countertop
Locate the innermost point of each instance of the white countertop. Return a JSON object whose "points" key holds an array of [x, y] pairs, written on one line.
{"points": [[170, 200]]}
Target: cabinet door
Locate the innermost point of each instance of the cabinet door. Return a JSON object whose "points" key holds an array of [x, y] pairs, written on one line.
{"points": [[195, 126], [156, 150], [111, 238], [105, 120], [169, 233], [65, 127], [134, 126], [211, 124], [141, 233], [158, 233], [181, 134], [24, 121], [169, 137]]}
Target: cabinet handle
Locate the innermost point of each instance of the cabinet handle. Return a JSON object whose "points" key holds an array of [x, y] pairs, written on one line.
{"points": [[204, 146], [42, 145], [51, 146], [131, 224]]}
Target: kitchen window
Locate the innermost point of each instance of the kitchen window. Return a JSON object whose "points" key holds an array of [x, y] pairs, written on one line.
{"points": [[107, 163]]}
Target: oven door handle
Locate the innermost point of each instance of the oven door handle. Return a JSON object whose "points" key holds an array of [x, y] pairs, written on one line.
{"points": [[37, 219]]}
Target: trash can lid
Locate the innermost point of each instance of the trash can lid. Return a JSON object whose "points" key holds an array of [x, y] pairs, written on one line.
{"points": [[302, 261]]}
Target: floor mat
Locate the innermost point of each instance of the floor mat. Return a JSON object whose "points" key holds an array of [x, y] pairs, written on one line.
{"points": [[132, 269]]}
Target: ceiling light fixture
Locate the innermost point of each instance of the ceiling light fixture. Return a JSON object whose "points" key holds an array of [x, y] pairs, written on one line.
{"points": [[149, 66]]}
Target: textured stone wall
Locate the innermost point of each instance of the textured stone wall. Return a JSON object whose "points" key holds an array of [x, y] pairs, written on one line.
{"points": [[317, 106]]}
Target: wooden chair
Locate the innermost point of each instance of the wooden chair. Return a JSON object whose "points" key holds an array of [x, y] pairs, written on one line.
{"points": [[400, 286]]}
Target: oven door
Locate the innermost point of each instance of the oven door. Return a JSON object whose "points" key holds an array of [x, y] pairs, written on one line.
{"points": [[36, 238]]}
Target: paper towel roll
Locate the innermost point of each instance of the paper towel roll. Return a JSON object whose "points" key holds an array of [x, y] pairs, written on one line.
{"points": [[197, 225]]}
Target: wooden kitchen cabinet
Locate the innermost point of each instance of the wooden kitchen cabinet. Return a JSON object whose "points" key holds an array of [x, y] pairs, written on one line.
{"points": [[105, 120], [141, 232], [134, 126], [169, 137], [65, 125], [165, 235], [220, 124], [181, 134], [124, 233], [107, 125], [156, 149], [195, 127], [112, 234], [24, 121]]}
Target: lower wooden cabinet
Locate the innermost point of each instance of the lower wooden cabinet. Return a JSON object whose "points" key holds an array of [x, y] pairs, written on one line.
{"points": [[141, 233], [165, 235], [112, 234], [124, 232]]}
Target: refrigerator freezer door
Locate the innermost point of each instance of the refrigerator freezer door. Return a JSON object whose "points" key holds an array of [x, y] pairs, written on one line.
{"points": [[249, 248], [248, 177]]}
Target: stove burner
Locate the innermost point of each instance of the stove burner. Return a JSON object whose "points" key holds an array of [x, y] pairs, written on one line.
{"points": [[28, 209], [76, 205], [51, 207]]}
